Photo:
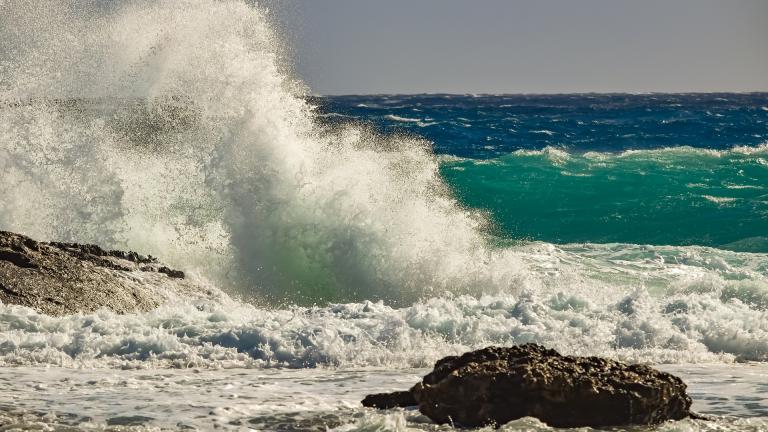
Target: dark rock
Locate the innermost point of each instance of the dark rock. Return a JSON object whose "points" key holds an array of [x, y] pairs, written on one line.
{"points": [[136, 420], [64, 278], [176, 274], [390, 400], [496, 385]]}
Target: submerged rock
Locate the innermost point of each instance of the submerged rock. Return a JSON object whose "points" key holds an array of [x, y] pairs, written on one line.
{"points": [[65, 278], [390, 400], [496, 385]]}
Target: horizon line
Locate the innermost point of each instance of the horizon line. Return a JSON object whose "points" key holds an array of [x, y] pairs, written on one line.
{"points": [[596, 93]]}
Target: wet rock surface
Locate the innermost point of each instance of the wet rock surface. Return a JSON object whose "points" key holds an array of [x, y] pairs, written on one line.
{"points": [[496, 385], [64, 278], [390, 400]]}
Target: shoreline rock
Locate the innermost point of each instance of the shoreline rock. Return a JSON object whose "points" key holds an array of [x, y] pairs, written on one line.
{"points": [[495, 385], [65, 278], [390, 400]]}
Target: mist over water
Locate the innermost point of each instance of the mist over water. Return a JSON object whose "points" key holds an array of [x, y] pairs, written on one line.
{"points": [[173, 128], [335, 258], [170, 127]]}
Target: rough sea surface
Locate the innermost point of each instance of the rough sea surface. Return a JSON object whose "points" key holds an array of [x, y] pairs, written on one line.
{"points": [[352, 241], [595, 168]]}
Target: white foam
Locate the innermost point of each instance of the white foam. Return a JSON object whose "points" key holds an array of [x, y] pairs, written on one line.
{"points": [[306, 399], [247, 189], [543, 132], [639, 303], [736, 186], [555, 154], [178, 133], [719, 200], [402, 119], [427, 124], [751, 150], [196, 146]]}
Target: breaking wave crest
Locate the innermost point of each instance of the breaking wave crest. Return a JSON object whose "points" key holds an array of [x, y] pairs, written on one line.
{"points": [[173, 128]]}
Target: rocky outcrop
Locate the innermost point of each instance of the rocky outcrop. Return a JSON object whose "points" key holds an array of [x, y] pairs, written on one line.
{"points": [[390, 400], [496, 385], [65, 278]]}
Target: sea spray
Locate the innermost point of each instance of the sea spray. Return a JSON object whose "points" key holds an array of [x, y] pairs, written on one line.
{"points": [[171, 128], [174, 128], [691, 323], [179, 133]]}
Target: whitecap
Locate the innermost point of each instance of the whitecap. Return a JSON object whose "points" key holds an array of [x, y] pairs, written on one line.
{"points": [[402, 119], [720, 200], [543, 132]]}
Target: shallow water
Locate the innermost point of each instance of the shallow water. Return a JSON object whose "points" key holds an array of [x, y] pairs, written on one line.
{"points": [[304, 399], [324, 249]]}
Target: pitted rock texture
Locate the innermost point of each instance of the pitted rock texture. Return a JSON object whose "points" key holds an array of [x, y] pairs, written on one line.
{"points": [[65, 278], [495, 385]]}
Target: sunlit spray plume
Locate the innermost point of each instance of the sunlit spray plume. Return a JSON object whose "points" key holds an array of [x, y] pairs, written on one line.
{"points": [[171, 127]]}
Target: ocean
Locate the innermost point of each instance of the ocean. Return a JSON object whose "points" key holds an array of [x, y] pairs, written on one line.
{"points": [[593, 168], [348, 242]]}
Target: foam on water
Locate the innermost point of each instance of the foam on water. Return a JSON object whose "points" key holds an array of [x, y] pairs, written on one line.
{"points": [[402, 119], [635, 196], [173, 128], [303, 400], [196, 146], [654, 304]]}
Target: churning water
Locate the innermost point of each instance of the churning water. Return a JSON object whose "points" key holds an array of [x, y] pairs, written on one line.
{"points": [[345, 259]]}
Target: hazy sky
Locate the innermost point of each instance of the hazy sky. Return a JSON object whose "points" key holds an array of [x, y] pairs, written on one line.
{"points": [[529, 46]]}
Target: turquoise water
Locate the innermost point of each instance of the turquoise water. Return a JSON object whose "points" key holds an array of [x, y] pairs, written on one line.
{"points": [[642, 169], [681, 196], [359, 258]]}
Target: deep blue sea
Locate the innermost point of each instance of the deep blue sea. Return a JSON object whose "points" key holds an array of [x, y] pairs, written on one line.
{"points": [[339, 246], [663, 169]]}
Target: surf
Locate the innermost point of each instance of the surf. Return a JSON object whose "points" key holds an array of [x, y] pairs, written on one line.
{"points": [[177, 129], [218, 162]]}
